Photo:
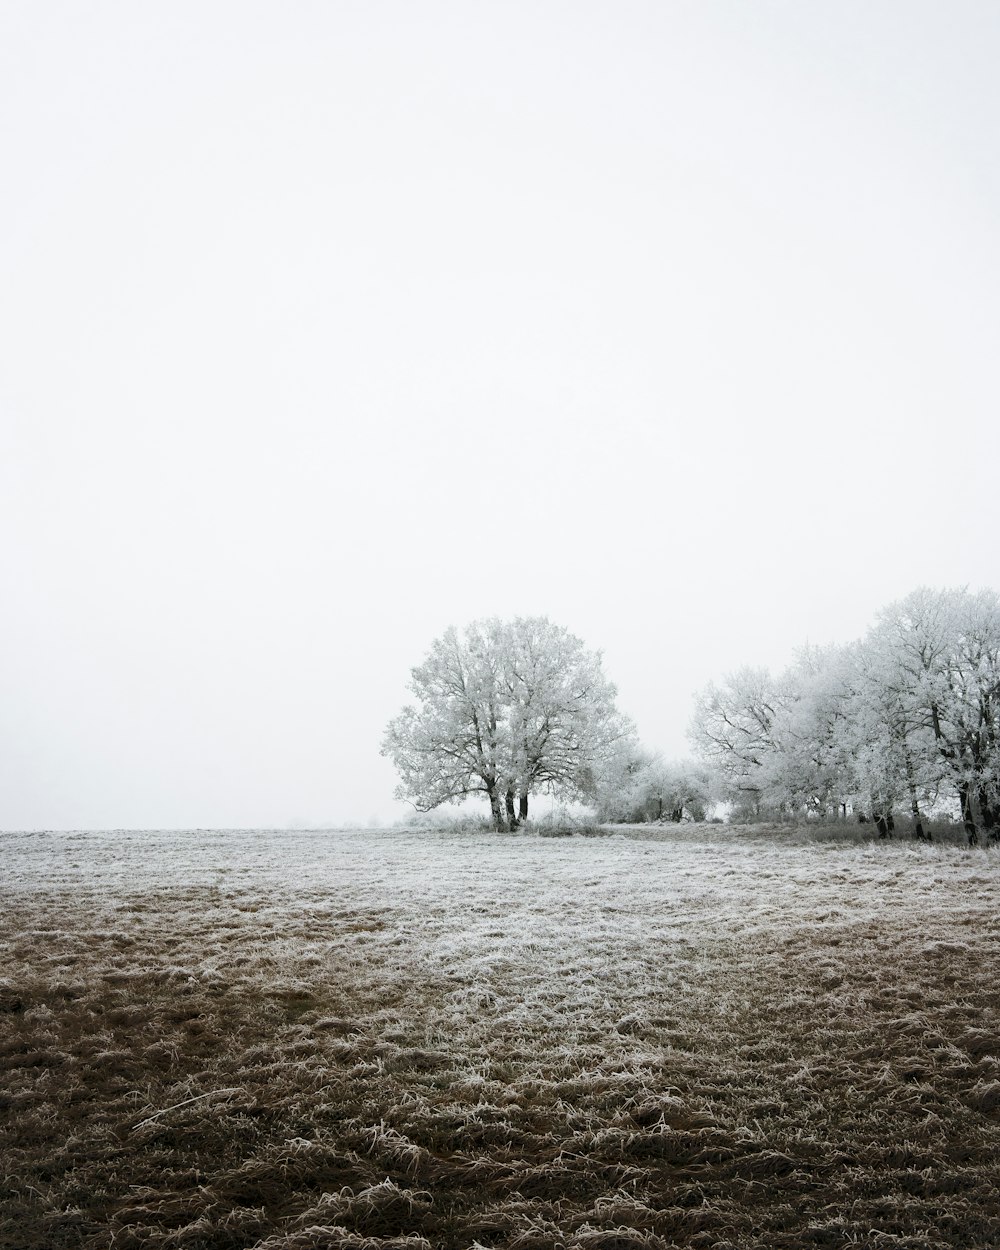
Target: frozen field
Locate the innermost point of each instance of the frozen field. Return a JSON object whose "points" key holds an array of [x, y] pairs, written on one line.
{"points": [[713, 1038]]}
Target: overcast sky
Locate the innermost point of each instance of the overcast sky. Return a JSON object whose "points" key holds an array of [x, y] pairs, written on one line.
{"points": [[327, 325]]}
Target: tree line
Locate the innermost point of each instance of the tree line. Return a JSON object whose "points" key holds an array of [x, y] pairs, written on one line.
{"points": [[894, 722], [899, 721]]}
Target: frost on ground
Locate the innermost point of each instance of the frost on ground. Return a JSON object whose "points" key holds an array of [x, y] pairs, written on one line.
{"points": [[300, 1041]]}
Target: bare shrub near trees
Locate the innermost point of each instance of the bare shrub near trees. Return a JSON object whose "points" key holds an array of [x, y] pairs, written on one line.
{"points": [[504, 709], [887, 724]]}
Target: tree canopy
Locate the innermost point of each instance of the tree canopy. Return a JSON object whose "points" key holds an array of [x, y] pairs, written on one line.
{"points": [[504, 709]]}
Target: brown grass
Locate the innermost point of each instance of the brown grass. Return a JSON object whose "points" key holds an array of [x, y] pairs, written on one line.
{"points": [[441, 1041]]}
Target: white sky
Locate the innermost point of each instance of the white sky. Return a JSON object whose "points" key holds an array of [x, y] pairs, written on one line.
{"points": [[327, 325]]}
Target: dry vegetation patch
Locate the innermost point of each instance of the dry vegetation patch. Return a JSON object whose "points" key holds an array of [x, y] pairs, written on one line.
{"points": [[712, 1039]]}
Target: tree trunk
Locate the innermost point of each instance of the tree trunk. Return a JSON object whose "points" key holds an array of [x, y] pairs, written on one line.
{"points": [[989, 814], [496, 808], [918, 824], [511, 813], [968, 820], [522, 812]]}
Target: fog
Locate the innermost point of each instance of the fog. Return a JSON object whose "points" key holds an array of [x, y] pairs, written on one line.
{"points": [[326, 326]]}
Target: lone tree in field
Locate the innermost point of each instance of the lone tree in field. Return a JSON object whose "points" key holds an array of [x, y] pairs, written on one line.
{"points": [[505, 709]]}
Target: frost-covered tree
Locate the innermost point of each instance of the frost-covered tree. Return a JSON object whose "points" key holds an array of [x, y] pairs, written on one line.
{"points": [[735, 731], [888, 723], [943, 647], [504, 709], [811, 773], [775, 740], [637, 785], [886, 744]]}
